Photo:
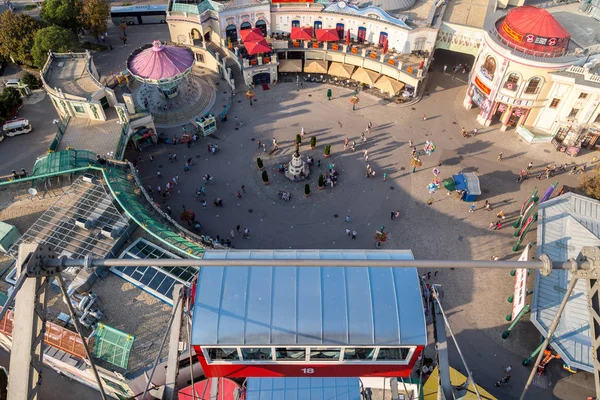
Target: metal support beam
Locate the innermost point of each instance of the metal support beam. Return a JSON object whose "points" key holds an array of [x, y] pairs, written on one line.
{"points": [[441, 347], [29, 327], [553, 327], [174, 337]]}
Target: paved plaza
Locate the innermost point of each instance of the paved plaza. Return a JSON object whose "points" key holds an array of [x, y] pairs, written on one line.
{"points": [[443, 230]]}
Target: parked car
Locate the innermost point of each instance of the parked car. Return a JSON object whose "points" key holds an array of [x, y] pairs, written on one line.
{"points": [[16, 127]]}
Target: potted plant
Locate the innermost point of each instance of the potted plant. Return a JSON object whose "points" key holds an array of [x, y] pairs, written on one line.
{"points": [[298, 138], [265, 177], [321, 182], [306, 190], [259, 163], [313, 142], [327, 151]]}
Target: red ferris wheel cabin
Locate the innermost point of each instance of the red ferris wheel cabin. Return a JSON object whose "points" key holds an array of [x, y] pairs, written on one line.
{"points": [[308, 321]]}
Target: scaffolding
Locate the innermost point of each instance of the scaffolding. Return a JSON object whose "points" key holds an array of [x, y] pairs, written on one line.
{"points": [[113, 345], [82, 221]]}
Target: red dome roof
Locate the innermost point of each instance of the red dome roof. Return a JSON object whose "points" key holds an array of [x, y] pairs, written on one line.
{"points": [[534, 29]]}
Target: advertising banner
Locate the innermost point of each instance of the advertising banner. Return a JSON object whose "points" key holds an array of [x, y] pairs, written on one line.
{"points": [[520, 286]]}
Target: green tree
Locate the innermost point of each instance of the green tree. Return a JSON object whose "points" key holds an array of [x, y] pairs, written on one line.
{"points": [[590, 185], [10, 99], [16, 36], [55, 38], [94, 16], [64, 13]]}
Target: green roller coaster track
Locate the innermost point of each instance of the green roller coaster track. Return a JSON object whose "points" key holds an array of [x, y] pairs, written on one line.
{"points": [[120, 184]]}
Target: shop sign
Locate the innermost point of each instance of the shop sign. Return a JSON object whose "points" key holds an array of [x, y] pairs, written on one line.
{"points": [[519, 112], [520, 289], [482, 86], [502, 107], [512, 34], [477, 96], [544, 41]]}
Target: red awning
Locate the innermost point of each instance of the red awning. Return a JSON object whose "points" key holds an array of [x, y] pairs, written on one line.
{"points": [[251, 35], [257, 47], [327, 35], [305, 33]]}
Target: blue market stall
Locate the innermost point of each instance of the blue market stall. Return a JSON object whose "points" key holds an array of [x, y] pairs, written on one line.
{"points": [[468, 184]]}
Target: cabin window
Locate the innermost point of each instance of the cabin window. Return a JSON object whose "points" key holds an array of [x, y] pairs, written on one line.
{"points": [[257, 353], [359, 354], [325, 354], [223, 353], [392, 354], [290, 354]]}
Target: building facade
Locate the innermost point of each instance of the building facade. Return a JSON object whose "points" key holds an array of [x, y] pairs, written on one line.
{"points": [[511, 78]]}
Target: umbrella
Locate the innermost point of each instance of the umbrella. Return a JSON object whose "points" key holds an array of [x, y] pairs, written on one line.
{"points": [[305, 33], [389, 85], [327, 35], [365, 76], [341, 70], [251, 35], [290, 65], [316, 67], [385, 46], [348, 38], [257, 47]]}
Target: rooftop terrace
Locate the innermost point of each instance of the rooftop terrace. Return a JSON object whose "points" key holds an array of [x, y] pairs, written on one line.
{"points": [[71, 75]]}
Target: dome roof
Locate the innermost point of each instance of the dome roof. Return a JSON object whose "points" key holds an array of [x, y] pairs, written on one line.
{"points": [[533, 28], [160, 61]]}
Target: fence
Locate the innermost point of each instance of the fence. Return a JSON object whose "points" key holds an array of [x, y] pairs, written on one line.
{"points": [[61, 126]]}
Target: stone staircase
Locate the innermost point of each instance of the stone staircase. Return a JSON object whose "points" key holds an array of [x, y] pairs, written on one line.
{"points": [[236, 73]]}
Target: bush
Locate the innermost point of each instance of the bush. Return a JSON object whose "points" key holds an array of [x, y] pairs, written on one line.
{"points": [[259, 162], [307, 189], [31, 80], [327, 150], [321, 182], [590, 185], [313, 141], [28, 7], [265, 176], [94, 46], [298, 138], [10, 99]]}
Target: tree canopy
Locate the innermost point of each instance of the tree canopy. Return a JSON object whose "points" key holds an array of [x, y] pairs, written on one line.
{"points": [[16, 36], [95, 16], [55, 38], [64, 13], [591, 185]]}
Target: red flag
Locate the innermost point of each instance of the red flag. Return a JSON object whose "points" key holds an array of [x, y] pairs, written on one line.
{"points": [[348, 39], [385, 46]]}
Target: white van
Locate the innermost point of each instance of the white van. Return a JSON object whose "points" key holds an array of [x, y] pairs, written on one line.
{"points": [[16, 127], [12, 83]]}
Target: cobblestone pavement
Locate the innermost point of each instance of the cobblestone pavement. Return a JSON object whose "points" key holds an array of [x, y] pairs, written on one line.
{"points": [[443, 230]]}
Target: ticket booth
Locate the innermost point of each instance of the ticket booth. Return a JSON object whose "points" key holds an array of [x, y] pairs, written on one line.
{"points": [[206, 125], [308, 321]]}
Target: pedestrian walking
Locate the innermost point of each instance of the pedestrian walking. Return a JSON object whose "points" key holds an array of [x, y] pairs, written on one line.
{"points": [[488, 206], [384, 176], [159, 189], [168, 210], [170, 156], [158, 174], [204, 204], [175, 179], [239, 195], [529, 166], [246, 233], [347, 231], [243, 189], [232, 234], [151, 158], [353, 234], [174, 157], [237, 121], [347, 218], [365, 154], [392, 214], [410, 143], [423, 117], [354, 145], [186, 168], [472, 208], [507, 370], [500, 215], [237, 228], [397, 214], [264, 148], [445, 68], [500, 157], [259, 144], [302, 132], [346, 143], [329, 94]]}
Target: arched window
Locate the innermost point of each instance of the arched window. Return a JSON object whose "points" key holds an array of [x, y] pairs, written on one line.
{"points": [[245, 25], [488, 69], [533, 86], [512, 83], [262, 25], [231, 33], [382, 37]]}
